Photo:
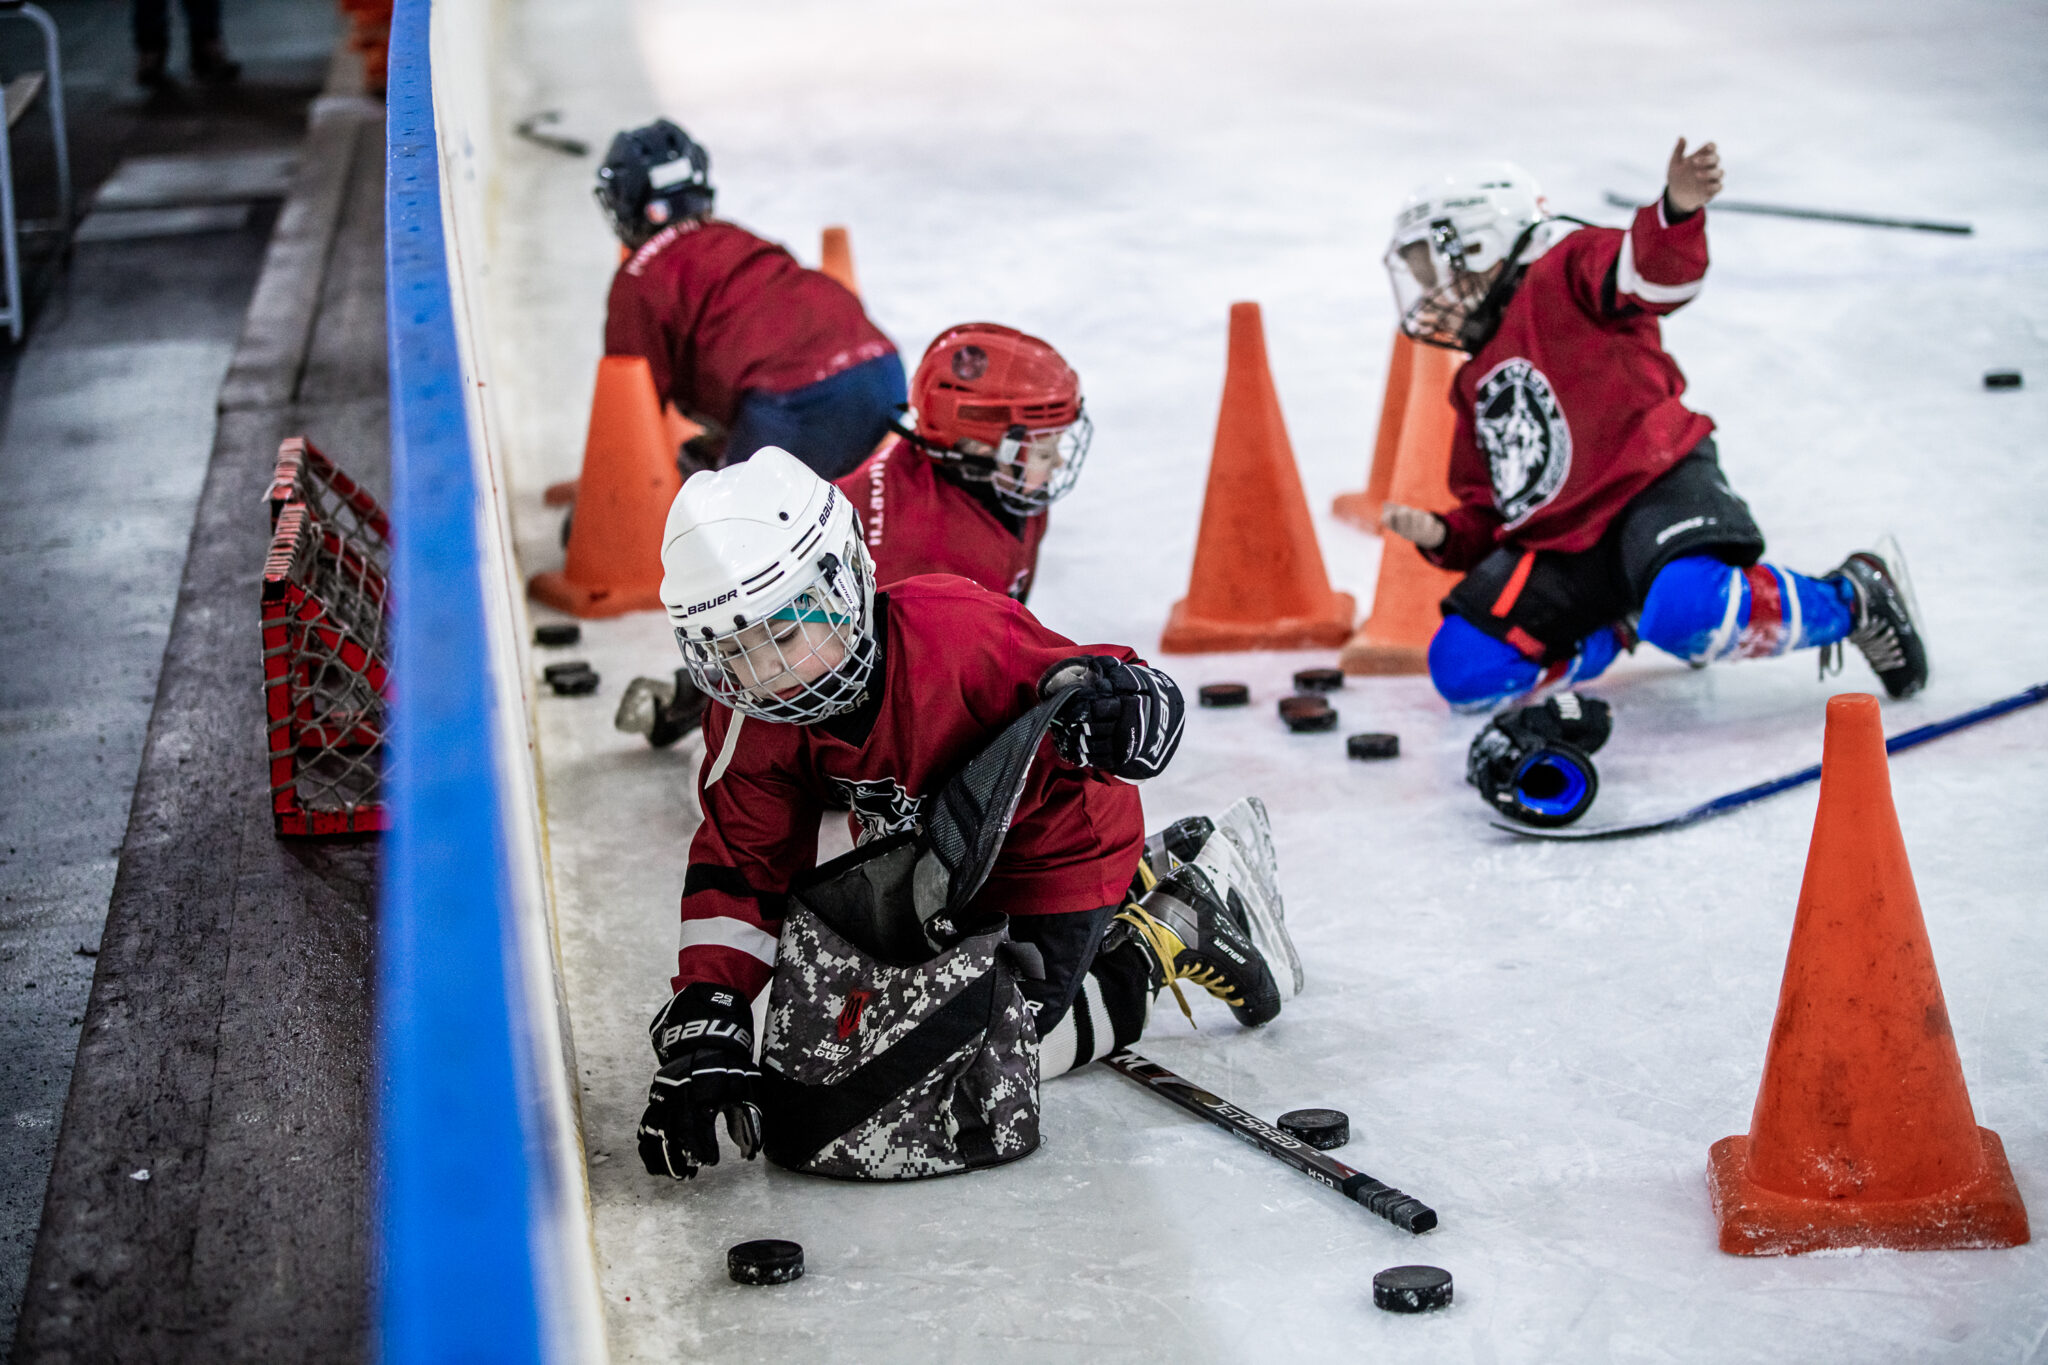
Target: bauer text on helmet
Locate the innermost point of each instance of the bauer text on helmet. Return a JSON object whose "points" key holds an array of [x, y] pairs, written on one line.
{"points": [[770, 590], [1004, 408], [1455, 250]]}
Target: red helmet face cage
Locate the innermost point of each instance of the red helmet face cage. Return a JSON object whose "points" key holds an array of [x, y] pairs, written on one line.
{"points": [[978, 380]]}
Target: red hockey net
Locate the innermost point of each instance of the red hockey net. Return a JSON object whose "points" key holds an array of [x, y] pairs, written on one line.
{"points": [[324, 629]]}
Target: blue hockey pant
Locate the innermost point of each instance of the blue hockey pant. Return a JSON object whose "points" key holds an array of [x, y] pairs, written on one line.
{"points": [[1698, 608], [831, 425]]}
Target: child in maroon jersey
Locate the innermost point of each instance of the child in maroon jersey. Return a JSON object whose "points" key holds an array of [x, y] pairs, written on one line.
{"points": [[1592, 508], [740, 337], [998, 435], [826, 694]]}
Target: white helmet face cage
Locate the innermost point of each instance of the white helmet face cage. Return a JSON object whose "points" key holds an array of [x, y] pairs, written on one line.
{"points": [[1035, 469], [770, 590], [1452, 243], [804, 661]]}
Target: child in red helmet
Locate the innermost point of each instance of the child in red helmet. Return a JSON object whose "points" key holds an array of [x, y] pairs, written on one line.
{"points": [[741, 339], [997, 436]]}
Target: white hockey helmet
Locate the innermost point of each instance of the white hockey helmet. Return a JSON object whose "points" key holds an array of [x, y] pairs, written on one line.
{"points": [[1449, 239], [770, 590]]}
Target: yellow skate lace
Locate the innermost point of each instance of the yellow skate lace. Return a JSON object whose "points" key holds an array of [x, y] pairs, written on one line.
{"points": [[1167, 947]]}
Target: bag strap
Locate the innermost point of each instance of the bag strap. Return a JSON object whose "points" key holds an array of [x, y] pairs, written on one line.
{"points": [[807, 1117], [967, 821]]}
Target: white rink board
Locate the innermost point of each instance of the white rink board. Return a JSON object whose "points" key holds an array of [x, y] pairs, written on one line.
{"points": [[1541, 1042]]}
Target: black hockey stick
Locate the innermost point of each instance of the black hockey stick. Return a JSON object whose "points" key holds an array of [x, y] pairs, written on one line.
{"points": [[1622, 201], [1406, 1213], [1721, 805]]}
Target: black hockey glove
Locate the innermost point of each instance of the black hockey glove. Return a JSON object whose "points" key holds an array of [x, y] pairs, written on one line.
{"points": [[704, 1038], [1128, 723], [1535, 764]]}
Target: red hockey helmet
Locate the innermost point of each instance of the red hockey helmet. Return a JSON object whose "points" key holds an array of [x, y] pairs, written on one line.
{"points": [[1005, 407]]}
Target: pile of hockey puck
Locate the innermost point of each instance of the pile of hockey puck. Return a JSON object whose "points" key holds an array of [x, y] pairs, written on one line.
{"points": [[1308, 710], [573, 677]]}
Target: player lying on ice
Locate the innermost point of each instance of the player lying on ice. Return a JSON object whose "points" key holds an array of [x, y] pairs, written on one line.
{"points": [[827, 694], [741, 339], [1592, 508], [996, 435]]}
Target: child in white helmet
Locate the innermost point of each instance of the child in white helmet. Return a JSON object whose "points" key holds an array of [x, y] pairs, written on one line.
{"points": [[1592, 510], [827, 694]]}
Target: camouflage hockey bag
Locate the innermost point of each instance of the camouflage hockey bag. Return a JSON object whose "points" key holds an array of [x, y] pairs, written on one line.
{"points": [[898, 1045]]}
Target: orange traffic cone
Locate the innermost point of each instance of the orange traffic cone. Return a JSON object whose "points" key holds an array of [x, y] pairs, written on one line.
{"points": [[1258, 580], [1395, 638], [1363, 509], [835, 258], [680, 430], [1863, 1135], [622, 500]]}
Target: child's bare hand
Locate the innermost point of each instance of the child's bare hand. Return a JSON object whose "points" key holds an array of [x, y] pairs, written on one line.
{"points": [[1426, 529], [1691, 181]]}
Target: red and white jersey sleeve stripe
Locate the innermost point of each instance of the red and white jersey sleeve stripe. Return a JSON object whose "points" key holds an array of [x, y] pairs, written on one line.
{"points": [[1662, 264]]}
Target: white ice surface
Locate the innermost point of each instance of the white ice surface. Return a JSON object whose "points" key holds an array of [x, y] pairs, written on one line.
{"points": [[1539, 1041]]}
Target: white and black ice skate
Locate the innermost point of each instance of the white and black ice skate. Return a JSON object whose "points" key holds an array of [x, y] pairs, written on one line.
{"points": [[1887, 629], [1210, 922]]}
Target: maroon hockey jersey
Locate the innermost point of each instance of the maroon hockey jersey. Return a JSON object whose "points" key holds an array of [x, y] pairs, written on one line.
{"points": [[958, 664], [718, 311], [917, 521], [1573, 407]]}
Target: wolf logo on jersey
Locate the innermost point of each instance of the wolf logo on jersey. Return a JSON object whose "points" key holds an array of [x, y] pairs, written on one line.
{"points": [[882, 806], [1527, 442]]}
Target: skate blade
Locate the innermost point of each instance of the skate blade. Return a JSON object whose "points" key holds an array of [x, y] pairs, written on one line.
{"points": [[1225, 867], [1248, 828], [1889, 550]]}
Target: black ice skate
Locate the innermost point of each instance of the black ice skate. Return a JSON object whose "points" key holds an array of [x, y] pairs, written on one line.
{"points": [[1192, 933], [1886, 630]]}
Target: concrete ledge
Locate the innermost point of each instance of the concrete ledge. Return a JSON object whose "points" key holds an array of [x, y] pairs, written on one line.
{"points": [[225, 1050]]}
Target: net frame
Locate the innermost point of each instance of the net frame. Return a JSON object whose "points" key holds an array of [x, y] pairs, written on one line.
{"points": [[324, 627]]}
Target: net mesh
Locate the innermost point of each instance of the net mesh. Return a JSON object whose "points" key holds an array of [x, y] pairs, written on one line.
{"points": [[324, 626]]}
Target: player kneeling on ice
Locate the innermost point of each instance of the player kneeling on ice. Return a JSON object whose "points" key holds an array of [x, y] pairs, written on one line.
{"points": [[984, 930], [741, 339], [1592, 508], [995, 436]]}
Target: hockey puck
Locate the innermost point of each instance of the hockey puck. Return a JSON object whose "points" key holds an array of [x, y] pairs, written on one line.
{"points": [[554, 671], [2001, 379], [1323, 1129], [557, 633], [1225, 694], [1373, 746], [768, 1261], [1411, 1288], [572, 680], [1307, 712], [1319, 680]]}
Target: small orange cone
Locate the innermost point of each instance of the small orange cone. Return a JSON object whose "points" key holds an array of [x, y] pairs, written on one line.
{"points": [[1258, 580], [1363, 509], [1863, 1135], [622, 500], [1405, 614], [835, 258]]}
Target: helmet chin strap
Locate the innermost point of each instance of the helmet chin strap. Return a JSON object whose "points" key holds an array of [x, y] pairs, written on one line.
{"points": [[725, 750], [978, 467], [1484, 318]]}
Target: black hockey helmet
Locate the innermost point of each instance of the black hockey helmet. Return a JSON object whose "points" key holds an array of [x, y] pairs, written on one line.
{"points": [[651, 177]]}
